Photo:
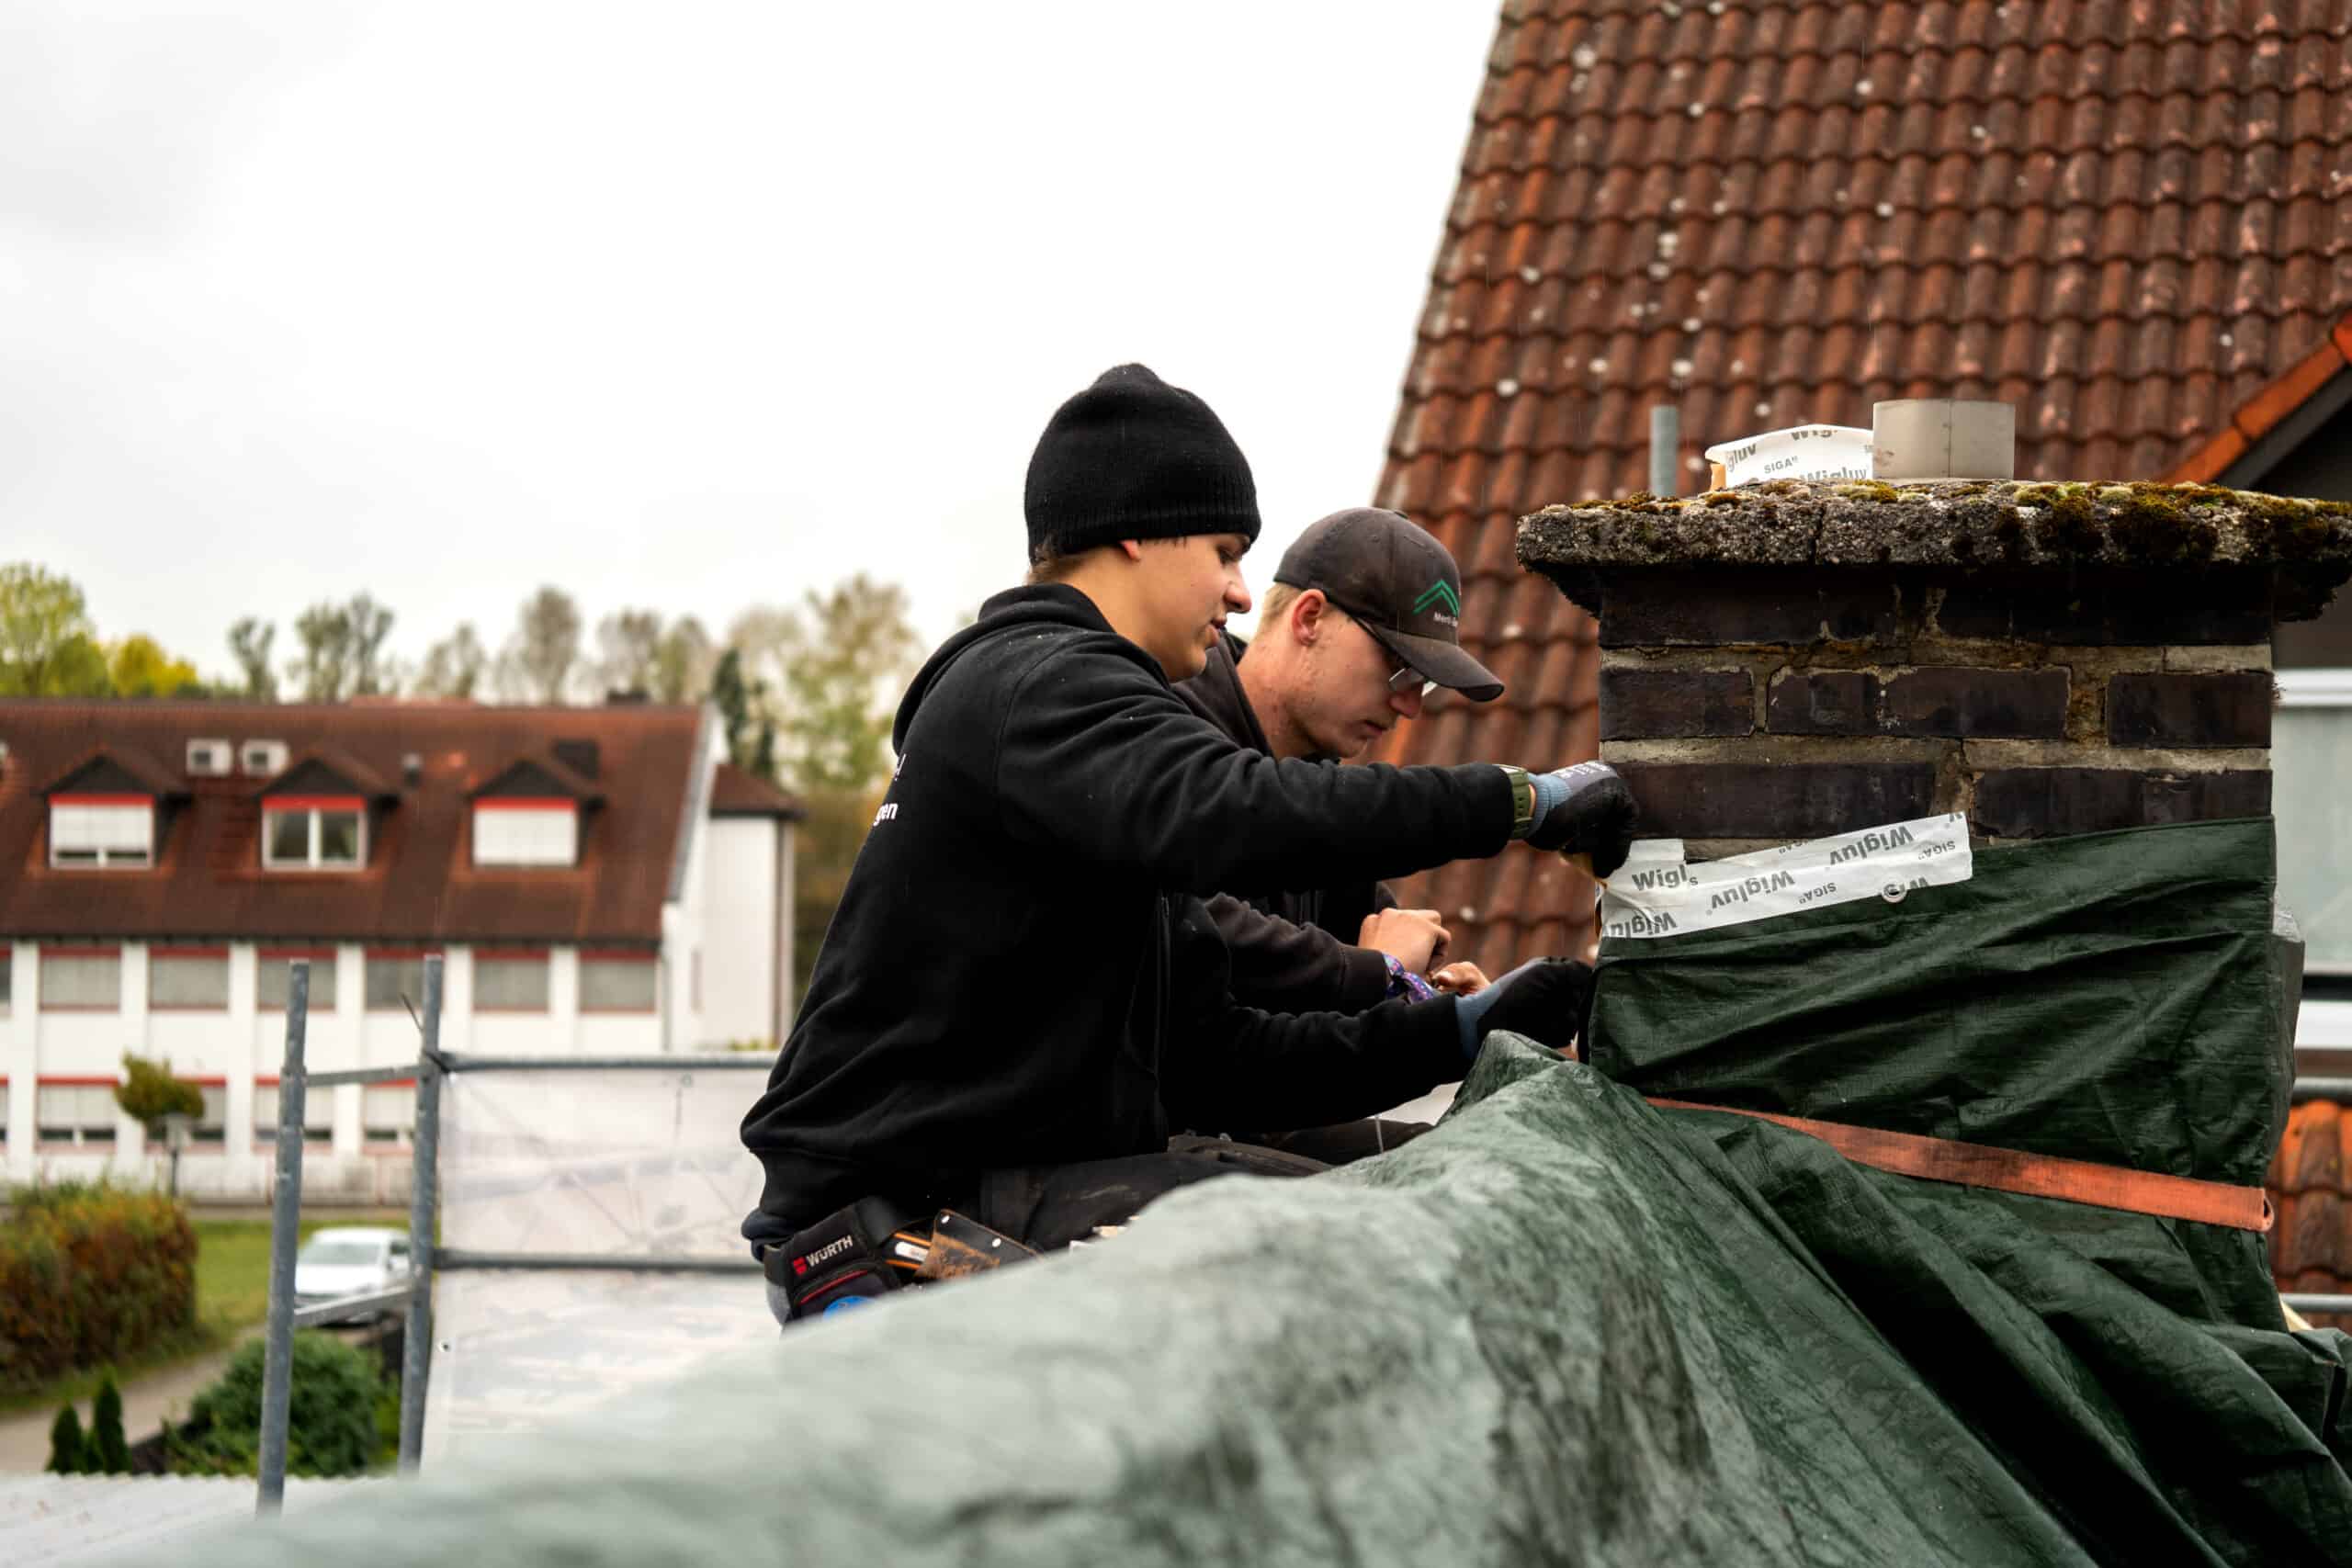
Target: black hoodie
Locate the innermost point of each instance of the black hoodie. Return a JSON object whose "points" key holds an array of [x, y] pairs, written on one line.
{"points": [[1008, 981], [1291, 952]]}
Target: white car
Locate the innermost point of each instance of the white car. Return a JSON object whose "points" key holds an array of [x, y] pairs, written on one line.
{"points": [[350, 1260]]}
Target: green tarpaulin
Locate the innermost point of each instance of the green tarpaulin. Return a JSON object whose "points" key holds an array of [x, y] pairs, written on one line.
{"points": [[1569, 1328]]}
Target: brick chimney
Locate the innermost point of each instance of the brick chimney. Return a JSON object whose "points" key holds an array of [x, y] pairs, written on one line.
{"points": [[1792, 660]]}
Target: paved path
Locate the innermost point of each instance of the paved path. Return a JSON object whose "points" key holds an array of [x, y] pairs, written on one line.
{"points": [[146, 1401]]}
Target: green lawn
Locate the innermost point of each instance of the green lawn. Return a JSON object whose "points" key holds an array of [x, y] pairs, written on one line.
{"points": [[232, 1295]]}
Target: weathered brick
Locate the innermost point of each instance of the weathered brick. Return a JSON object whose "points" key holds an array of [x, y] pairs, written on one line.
{"points": [[1823, 702], [2155, 610], [2024, 610], [2035, 803], [1789, 800], [1703, 608], [1960, 701], [1649, 703], [2116, 609], [2230, 709]]}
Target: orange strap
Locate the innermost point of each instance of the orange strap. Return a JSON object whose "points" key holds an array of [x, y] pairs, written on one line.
{"points": [[2038, 1176]]}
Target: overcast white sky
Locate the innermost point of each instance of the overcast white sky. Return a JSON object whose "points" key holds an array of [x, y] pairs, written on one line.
{"points": [[688, 306]]}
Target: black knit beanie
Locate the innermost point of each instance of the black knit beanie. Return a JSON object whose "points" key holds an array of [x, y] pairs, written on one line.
{"points": [[1133, 457]]}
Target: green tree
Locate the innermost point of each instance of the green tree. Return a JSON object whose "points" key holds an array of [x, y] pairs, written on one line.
{"points": [[628, 643], [454, 666], [539, 659], [108, 1450], [683, 662], [138, 668], [68, 1454], [750, 737], [148, 1093], [828, 673], [817, 684], [343, 651], [47, 649], [331, 1416], [249, 645]]}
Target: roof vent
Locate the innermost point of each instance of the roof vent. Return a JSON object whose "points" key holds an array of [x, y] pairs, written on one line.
{"points": [[261, 759], [580, 756], [411, 768], [209, 758]]}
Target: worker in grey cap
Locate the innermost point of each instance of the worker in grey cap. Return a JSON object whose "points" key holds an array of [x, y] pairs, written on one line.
{"points": [[1362, 621]]}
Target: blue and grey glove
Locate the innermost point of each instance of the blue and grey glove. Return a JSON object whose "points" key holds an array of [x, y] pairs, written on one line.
{"points": [[1544, 998], [1585, 809]]}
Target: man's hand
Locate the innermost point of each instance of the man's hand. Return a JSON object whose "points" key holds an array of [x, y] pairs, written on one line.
{"points": [[1462, 979], [1585, 809], [1545, 999], [1414, 938]]}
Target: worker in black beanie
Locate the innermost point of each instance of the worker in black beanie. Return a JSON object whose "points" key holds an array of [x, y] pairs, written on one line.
{"points": [[1133, 457], [1021, 995]]}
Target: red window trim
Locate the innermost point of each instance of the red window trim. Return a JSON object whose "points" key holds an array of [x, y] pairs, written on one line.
{"points": [[159, 950], [73, 1080], [525, 802], [391, 1083], [208, 1082], [402, 952], [146, 800], [282, 803]]}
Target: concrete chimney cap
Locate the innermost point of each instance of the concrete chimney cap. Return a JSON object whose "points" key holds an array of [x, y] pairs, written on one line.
{"points": [[1968, 525]]}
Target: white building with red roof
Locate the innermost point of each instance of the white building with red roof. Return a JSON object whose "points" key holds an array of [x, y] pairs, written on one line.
{"points": [[601, 882]]}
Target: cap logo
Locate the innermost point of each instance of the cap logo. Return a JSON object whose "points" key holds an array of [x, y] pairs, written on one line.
{"points": [[1439, 592]]}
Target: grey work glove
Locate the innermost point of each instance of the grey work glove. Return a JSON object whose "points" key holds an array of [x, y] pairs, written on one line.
{"points": [[1583, 810], [1545, 999]]}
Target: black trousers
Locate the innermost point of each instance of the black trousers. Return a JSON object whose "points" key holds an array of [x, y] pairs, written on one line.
{"points": [[1046, 1206]]}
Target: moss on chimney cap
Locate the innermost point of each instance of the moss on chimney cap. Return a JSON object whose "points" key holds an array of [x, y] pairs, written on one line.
{"points": [[1959, 524]]}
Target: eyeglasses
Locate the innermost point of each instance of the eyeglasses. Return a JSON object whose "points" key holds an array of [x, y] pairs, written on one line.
{"points": [[1402, 677]]}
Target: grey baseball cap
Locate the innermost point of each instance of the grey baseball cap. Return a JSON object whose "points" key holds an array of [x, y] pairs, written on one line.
{"points": [[1399, 583]]}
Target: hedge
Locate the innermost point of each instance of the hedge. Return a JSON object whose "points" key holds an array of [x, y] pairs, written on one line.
{"points": [[90, 1275]]}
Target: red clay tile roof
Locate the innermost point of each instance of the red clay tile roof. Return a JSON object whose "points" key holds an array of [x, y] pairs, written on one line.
{"points": [[2127, 219], [2311, 1244], [735, 792], [2268, 408], [419, 884]]}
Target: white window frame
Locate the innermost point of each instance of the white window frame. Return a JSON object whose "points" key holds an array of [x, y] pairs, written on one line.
{"points": [[546, 809], [649, 962], [73, 952], [89, 1126], [109, 857], [315, 807], [2318, 688], [159, 956]]}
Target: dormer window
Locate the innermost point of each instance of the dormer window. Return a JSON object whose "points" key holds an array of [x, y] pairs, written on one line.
{"points": [[95, 831], [314, 832], [527, 830]]}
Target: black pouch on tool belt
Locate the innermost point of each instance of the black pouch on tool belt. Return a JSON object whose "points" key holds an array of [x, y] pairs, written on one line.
{"points": [[853, 1254]]}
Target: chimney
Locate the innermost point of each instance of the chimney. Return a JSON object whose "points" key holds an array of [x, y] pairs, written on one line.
{"points": [[580, 756], [1797, 658]]}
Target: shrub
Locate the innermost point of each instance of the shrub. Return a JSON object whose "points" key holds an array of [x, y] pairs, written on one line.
{"points": [[65, 1447], [330, 1415], [109, 1451], [148, 1093], [88, 1276]]}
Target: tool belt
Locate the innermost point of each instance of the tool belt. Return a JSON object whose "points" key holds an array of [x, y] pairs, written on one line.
{"points": [[873, 1247]]}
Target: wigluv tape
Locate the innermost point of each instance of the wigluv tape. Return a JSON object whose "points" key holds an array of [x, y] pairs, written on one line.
{"points": [[1657, 893]]}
